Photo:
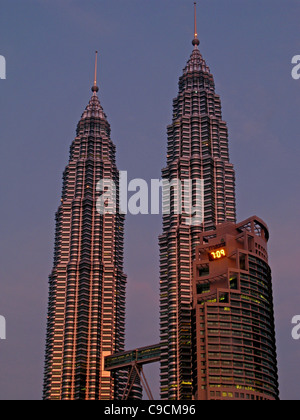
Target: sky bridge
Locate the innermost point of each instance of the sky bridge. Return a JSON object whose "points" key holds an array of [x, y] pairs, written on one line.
{"points": [[134, 360]]}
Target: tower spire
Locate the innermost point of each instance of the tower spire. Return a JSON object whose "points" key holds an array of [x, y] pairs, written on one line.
{"points": [[196, 41], [95, 88]]}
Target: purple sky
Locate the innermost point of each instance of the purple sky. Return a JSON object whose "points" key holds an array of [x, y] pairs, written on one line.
{"points": [[143, 45]]}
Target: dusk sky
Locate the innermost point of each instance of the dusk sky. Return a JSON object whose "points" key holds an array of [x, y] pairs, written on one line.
{"points": [[143, 45]]}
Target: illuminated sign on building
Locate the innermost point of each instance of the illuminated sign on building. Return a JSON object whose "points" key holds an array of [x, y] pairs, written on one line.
{"points": [[217, 254]]}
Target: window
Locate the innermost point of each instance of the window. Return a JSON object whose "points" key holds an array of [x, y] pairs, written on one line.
{"points": [[203, 271], [203, 288]]}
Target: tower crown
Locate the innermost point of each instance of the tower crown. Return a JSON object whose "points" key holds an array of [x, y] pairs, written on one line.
{"points": [[196, 63], [94, 108]]}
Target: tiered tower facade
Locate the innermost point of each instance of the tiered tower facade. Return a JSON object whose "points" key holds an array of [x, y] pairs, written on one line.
{"points": [[197, 150], [86, 313]]}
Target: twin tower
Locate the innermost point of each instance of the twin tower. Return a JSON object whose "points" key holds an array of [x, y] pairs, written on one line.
{"points": [[217, 335]]}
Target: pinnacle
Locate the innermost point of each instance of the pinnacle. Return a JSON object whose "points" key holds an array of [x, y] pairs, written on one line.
{"points": [[94, 108], [196, 63]]}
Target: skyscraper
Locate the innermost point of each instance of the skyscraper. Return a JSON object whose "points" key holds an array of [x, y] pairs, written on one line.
{"points": [[233, 321], [216, 317], [86, 313], [197, 149]]}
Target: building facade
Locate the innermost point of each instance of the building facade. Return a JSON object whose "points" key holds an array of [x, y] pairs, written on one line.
{"points": [[86, 312], [233, 320], [197, 150]]}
